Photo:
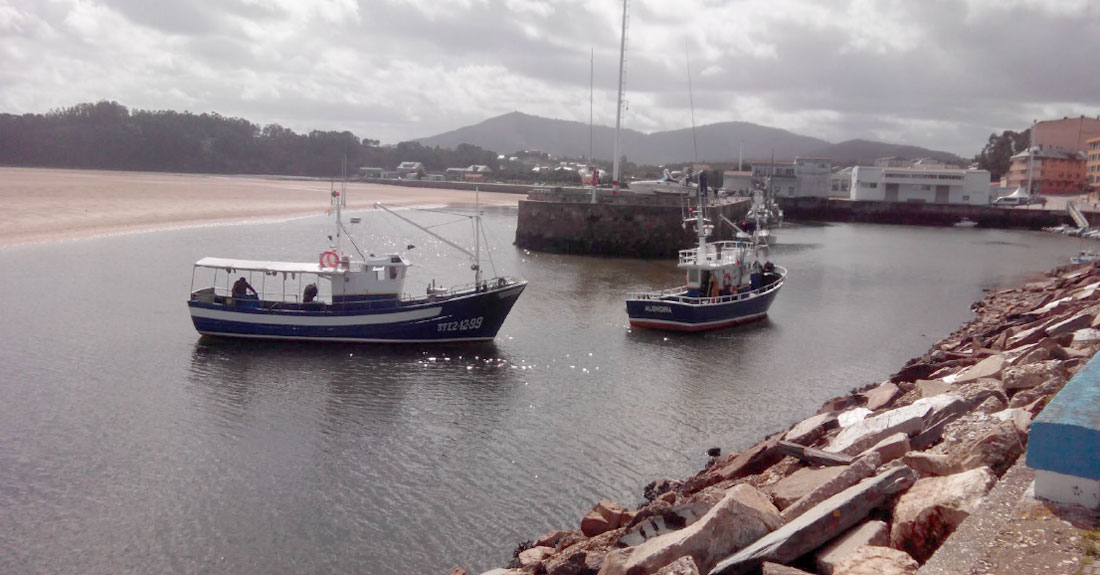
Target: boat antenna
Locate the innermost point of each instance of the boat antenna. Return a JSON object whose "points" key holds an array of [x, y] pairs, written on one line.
{"points": [[691, 100], [615, 170]]}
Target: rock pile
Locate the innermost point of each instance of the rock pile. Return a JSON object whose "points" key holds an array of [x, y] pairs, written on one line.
{"points": [[873, 483]]}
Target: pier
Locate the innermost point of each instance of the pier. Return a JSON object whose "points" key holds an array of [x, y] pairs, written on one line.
{"points": [[624, 224]]}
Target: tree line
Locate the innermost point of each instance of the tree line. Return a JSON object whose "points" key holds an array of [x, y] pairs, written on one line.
{"points": [[999, 149], [106, 135]]}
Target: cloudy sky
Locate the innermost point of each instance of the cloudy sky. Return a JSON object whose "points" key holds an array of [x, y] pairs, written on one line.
{"points": [[936, 73]]}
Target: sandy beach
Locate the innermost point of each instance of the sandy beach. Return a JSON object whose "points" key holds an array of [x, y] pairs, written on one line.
{"points": [[45, 205]]}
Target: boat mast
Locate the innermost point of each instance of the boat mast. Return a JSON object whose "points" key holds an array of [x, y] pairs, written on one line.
{"points": [[477, 237], [619, 105], [591, 90]]}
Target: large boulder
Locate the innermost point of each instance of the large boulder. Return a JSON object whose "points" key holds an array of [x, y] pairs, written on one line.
{"points": [[839, 549], [933, 507], [604, 516], [744, 515], [997, 449], [820, 524], [753, 460], [880, 395], [891, 448], [1042, 391], [681, 566], [809, 430], [534, 555], [796, 485], [988, 367], [1031, 375], [671, 519], [910, 420], [869, 560], [850, 475], [1073, 323]]}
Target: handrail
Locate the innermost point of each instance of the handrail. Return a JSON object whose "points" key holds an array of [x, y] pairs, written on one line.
{"points": [[667, 295]]}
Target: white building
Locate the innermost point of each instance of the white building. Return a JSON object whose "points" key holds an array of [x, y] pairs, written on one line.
{"points": [[841, 181], [801, 178], [814, 177], [941, 186]]}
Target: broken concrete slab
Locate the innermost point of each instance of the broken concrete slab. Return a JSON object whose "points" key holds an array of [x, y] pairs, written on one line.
{"points": [[910, 420], [931, 387], [868, 533], [820, 524], [880, 395], [798, 484], [873, 560], [681, 566], [744, 515], [811, 429], [860, 469], [933, 507], [988, 367], [891, 447], [813, 456]]}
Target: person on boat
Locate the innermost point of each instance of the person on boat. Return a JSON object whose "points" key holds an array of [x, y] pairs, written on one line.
{"points": [[241, 288], [310, 293]]}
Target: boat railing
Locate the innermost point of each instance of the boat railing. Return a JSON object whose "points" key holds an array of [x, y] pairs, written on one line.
{"points": [[679, 295], [277, 299], [724, 252]]}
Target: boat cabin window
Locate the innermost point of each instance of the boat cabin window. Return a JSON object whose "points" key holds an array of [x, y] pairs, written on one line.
{"points": [[393, 272], [693, 277], [379, 272]]}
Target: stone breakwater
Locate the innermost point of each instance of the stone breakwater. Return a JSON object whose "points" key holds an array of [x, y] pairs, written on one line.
{"points": [[875, 481]]}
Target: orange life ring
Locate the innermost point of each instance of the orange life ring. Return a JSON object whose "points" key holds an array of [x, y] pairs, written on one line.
{"points": [[329, 259]]}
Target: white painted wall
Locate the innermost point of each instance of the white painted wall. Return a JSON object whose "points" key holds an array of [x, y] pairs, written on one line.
{"points": [[920, 185]]}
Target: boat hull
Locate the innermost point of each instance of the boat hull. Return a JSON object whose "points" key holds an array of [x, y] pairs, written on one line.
{"points": [[675, 313], [475, 316]]}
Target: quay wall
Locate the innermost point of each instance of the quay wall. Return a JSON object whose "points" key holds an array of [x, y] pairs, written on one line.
{"points": [[843, 210], [623, 225]]}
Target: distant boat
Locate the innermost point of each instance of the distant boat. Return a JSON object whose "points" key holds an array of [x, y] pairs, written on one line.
{"points": [[727, 284], [1085, 257], [339, 298], [665, 185]]}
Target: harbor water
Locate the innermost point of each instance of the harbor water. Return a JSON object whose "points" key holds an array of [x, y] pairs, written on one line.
{"points": [[129, 444]]}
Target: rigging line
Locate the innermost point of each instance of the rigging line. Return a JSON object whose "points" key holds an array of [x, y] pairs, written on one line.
{"points": [[488, 250]]}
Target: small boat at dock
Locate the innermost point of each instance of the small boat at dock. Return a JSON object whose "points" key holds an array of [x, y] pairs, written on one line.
{"points": [[727, 283], [346, 299]]}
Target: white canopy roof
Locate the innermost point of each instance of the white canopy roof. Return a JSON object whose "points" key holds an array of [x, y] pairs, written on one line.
{"points": [[263, 266]]}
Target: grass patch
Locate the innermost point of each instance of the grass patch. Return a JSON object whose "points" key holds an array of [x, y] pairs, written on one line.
{"points": [[1090, 543]]}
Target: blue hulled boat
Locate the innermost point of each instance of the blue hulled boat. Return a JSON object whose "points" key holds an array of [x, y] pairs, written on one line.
{"points": [[341, 299], [727, 283]]}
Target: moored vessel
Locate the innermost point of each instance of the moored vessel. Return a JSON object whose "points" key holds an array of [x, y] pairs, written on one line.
{"points": [[726, 283], [348, 299]]}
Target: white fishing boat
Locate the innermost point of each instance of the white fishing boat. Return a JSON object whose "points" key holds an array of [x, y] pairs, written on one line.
{"points": [[347, 298]]}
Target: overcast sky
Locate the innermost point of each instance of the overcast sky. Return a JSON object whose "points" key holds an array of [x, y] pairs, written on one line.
{"points": [[936, 73]]}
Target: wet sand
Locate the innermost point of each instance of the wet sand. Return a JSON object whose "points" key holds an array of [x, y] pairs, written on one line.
{"points": [[45, 205]]}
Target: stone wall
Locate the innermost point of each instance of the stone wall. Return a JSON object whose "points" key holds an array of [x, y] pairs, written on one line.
{"points": [[843, 210], [617, 225]]}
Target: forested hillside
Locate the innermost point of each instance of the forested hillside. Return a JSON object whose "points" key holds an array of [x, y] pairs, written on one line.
{"points": [[106, 135]]}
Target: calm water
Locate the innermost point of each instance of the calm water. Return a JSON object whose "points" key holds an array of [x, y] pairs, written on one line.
{"points": [[129, 444]]}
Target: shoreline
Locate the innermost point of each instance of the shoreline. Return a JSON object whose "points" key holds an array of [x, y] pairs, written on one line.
{"points": [[878, 479], [45, 205]]}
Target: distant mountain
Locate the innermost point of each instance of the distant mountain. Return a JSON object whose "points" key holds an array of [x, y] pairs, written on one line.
{"points": [[716, 142], [864, 152]]}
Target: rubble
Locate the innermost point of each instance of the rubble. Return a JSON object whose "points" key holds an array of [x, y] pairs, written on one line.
{"points": [[872, 483]]}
